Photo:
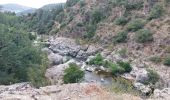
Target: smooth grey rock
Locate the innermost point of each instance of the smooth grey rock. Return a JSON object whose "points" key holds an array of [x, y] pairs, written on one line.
{"points": [[55, 59]]}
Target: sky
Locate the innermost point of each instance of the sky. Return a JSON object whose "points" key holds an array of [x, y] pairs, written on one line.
{"points": [[32, 3]]}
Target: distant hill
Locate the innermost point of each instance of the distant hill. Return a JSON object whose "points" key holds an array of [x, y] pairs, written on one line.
{"points": [[15, 8], [25, 12]]}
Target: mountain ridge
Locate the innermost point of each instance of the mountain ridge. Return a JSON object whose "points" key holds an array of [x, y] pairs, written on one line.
{"points": [[12, 7]]}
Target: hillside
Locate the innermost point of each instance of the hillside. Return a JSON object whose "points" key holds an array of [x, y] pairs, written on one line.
{"points": [[90, 50]]}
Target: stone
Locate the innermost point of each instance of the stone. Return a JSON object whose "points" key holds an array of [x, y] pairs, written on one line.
{"points": [[141, 87], [142, 76], [55, 73], [55, 59]]}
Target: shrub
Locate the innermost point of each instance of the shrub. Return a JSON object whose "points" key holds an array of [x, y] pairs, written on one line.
{"points": [[134, 5], [121, 21], [116, 69], [167, 61], [82, 3], [97, 16], [135, 25], [125, 65], [153, 77], [120, 37], [156, 12], [91, 29], [155, 59], [73, 74], [97, 60], [143, 36]]}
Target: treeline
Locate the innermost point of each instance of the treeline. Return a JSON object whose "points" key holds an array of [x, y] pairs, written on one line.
{"points": [[43, 19], [20, 61]]}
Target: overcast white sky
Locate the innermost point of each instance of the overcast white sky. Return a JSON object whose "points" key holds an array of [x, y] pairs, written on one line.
{"points": [[32, 3]]}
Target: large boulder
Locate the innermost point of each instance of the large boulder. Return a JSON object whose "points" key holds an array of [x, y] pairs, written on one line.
{"points": [[55, 59], [146, 90], [140, 74], [55, 73], [65, 46], [161, 94]]}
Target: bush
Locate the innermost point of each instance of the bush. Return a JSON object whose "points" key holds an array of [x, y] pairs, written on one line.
{"points": [[127, 5], [120, 37], [91, 29], [125, 65], [153, 77], [73, 74], [156, 12], [116, 69], [97, 16], [120, 67], [167, 61], [121, 21], [82, 3], [143, 36], [97, 60], [134, 5], [135, 25]]}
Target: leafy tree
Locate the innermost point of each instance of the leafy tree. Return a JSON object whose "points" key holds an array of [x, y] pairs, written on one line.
{"points": [[120, 37], [19, 59]]}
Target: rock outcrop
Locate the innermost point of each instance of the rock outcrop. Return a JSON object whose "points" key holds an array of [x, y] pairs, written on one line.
{"points": [[78, 91]]}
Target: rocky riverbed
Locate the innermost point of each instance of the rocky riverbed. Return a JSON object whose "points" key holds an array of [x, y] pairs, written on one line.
{"points": [[63, 51]]}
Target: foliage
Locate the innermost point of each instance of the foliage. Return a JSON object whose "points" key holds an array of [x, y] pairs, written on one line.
{"points": [[153, 77], [91, 29], [156, 12], [125, 65], [71, 3], [97, 16], [143, 36], [128, 5], [121, 21], [82, 3], [43, 19], [135, 25], [116, 69], [97, 60], [167, 61], [73, 74], [120, 37], [19, 59]]}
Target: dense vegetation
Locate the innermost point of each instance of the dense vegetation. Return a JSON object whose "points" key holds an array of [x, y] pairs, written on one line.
{"points": [[117, 68], [20, 61], [73, 74], [43, 19]]}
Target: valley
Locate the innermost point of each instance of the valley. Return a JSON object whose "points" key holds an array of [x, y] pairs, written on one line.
{"points": [[87, 50]]}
